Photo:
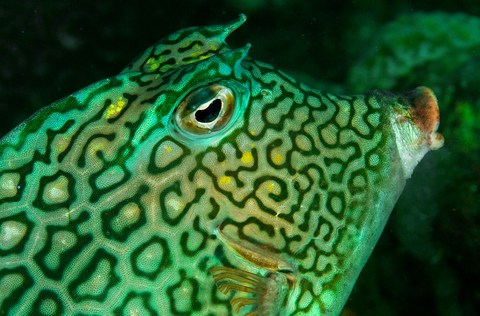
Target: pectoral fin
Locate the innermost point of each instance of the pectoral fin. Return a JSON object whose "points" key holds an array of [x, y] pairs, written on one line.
{"points": [[251, 294]]}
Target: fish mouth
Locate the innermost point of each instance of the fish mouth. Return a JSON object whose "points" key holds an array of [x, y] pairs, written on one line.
{"points": [[425, 115], [415, 120]]}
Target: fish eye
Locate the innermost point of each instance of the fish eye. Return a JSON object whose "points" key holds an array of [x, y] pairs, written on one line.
{"points": [[205, 110]]}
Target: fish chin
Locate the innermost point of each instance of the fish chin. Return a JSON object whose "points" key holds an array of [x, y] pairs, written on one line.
{"points": [[407, 136]]}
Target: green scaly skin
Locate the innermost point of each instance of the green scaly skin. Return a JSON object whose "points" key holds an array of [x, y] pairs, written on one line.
{"points": [[107, 206]]}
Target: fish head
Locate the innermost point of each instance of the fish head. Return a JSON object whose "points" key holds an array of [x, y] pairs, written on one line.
{"points": [[289, 186], [202, 181]]}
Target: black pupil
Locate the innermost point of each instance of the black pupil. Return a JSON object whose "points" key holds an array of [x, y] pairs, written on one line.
{"points": [[210, 113]]}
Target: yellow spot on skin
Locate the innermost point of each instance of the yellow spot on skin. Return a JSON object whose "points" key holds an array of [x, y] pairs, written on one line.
{"points": [[253, 145], [223, 163], [224, 180], [247, 157], [175, 204], [115, 108], [270, 187], [62, 142], [110, 111], [169, 149], [252, 132], [153, 63], [278, 159]]}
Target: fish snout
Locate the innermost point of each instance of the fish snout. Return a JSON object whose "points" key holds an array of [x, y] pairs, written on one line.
{"points": [[415, 123]]}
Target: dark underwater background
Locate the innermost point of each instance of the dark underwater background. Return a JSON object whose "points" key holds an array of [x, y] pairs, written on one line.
{"points": [[427, 261]]}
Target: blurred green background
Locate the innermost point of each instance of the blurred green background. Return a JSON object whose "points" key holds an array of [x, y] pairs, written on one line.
{"points": [[427, 261]]}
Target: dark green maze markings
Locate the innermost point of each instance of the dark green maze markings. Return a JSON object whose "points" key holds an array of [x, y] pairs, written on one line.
{"points": [[322, 180], [286, 164], [267, 228], [138, 80], [336, 204], [151, 258], [357, 153], [358, 182], [218, 298], [153, 168], [126, 217], [97, 192], [14, 283], [53, 261], [294, 135], [320, 256], [111, 83], [235, 173], [39, 201], [34, 123], [322, 221], [52, 133], [336, 177], [27, 168], [306, 288], [96, 279], [314, 206], [183, 296], [276, 198], [47, 303], [137, 303], [18, 247], [115, 167], [296, 206], [322, 184], [370, 111], [374, 159], [190, 46], [215, 209], [186, 236], [175, 188], [130, 99], [82, 158]]}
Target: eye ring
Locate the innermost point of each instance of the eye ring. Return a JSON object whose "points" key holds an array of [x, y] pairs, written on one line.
{"points": [[206, 110]]}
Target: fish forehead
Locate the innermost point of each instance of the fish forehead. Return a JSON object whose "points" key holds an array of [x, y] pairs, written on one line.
{"points": [[105, 206]]}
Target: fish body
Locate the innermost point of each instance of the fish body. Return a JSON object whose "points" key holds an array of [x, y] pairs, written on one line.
{"points": [[200, 181]]}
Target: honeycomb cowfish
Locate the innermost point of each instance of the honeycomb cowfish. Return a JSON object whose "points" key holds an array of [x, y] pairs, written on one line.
{"points": [[200, 181]]}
